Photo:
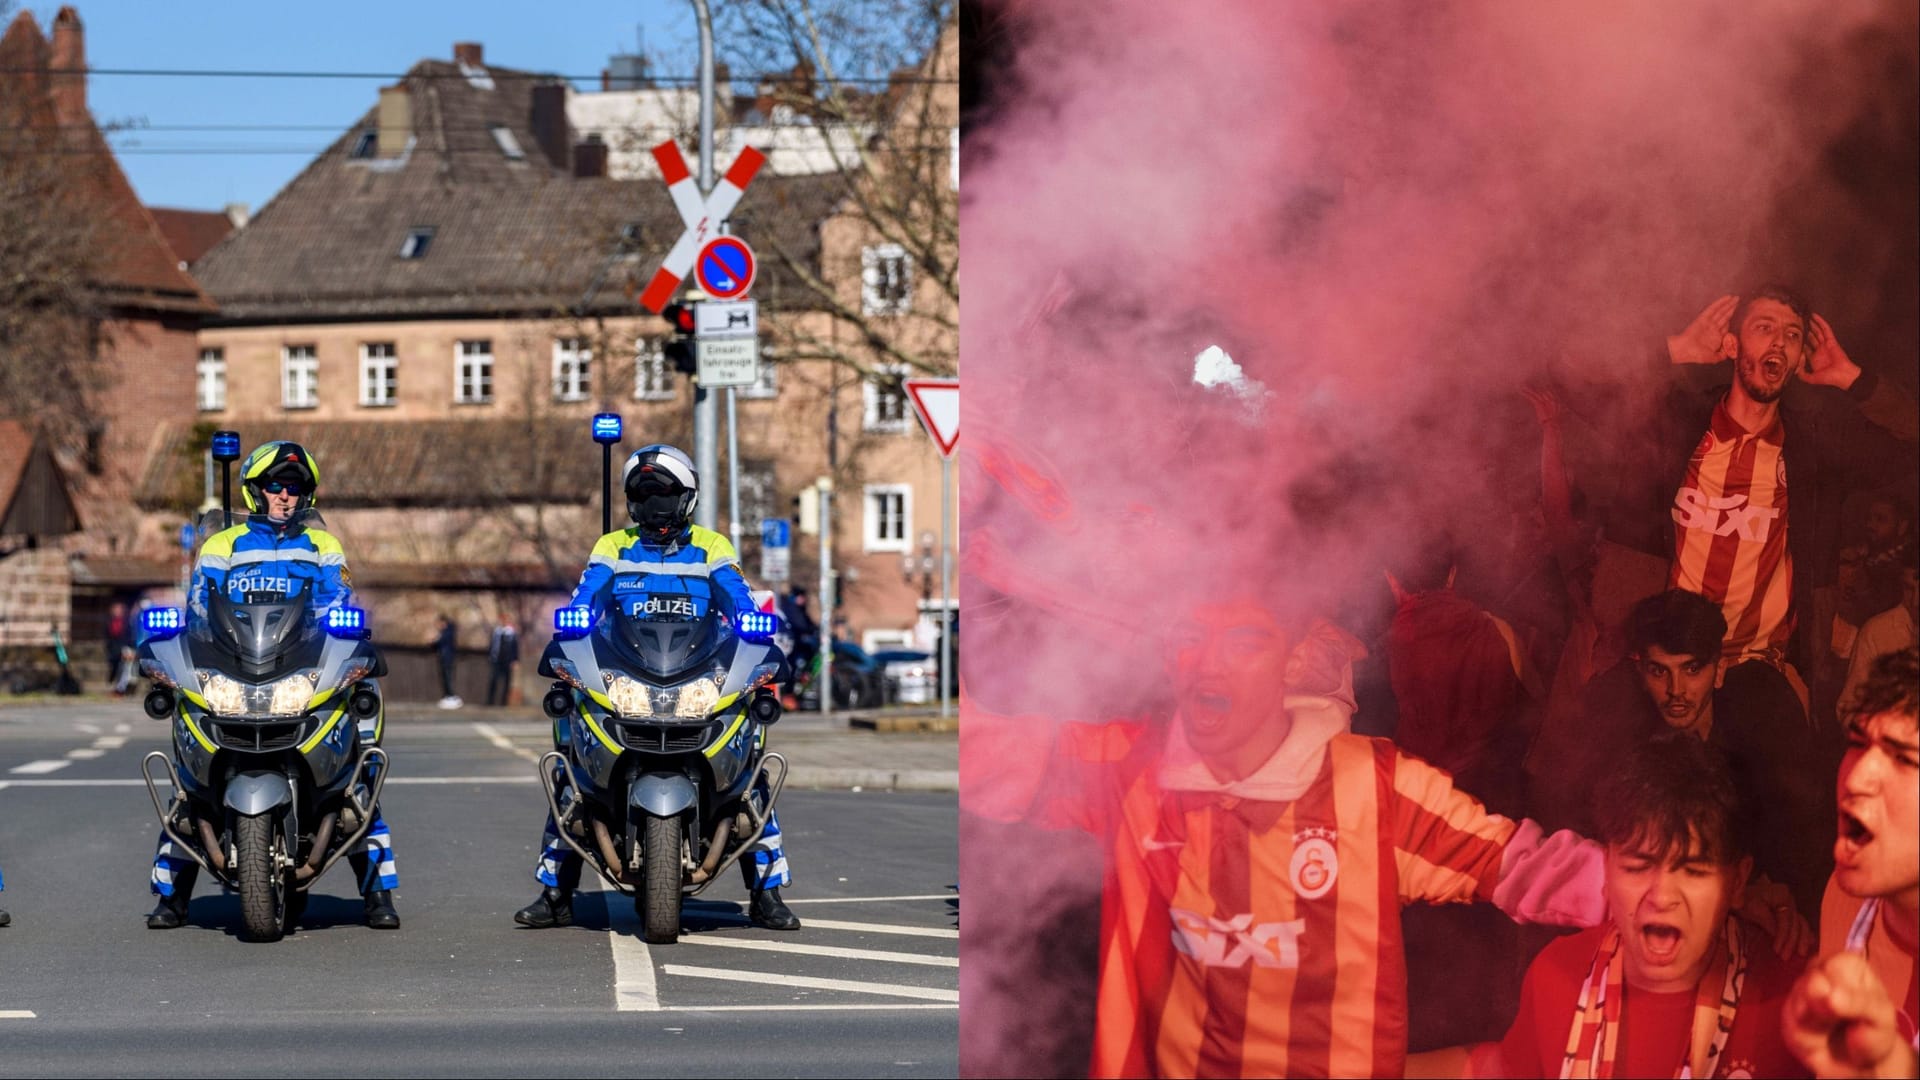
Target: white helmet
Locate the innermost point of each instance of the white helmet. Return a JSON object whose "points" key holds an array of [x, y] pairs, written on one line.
{"points": [[662, 487]]}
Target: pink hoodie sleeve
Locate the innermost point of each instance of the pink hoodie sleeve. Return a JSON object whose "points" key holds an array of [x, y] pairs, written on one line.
{"points": [[1559, 879]]}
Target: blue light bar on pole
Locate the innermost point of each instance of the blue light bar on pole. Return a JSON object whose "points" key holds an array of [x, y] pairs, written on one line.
{"points": [[162, 622], [606, 428], [226, 446]]}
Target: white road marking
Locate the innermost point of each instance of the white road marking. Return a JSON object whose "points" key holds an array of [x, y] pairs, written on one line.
{"points": [[110, 742], [928, 993], [492, 735], [634, 989], [90, 729], [823, 950], [44, 766], [86, 753], [17, 1014], [798, 1008], [865, 899], [123, 729], [880, 928]]}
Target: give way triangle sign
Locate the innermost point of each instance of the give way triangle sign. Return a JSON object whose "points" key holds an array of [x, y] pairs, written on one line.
{"points": [[938, 403]]}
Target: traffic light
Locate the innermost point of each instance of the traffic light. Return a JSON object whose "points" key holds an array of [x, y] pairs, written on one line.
{"points": [[679, 348]]}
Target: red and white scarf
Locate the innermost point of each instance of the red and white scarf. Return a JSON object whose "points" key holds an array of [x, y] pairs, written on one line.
{"points": [[1594, 1038]]}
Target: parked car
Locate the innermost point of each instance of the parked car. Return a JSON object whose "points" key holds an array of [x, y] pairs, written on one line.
{"points": [[858, 682], [910, 675]]}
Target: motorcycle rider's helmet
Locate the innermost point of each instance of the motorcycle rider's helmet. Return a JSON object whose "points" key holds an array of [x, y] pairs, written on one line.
{"points": [[662, 487], [279, 466]]}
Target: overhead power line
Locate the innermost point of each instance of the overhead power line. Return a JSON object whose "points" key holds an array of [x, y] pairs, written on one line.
{"points": [[387, 76]]}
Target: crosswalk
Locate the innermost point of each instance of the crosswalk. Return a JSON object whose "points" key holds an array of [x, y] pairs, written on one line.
{"points": [[99, 748]]}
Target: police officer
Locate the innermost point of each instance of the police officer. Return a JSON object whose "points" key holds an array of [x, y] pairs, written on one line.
{"points": [[275, 554], [661, 487]]}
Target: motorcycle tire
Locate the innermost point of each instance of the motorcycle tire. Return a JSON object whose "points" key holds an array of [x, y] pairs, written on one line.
{"points": [[658, 898], [263, 898]]}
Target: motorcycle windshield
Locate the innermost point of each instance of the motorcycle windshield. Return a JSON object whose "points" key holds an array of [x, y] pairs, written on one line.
{"points": [[668, 642], [261, 631]]}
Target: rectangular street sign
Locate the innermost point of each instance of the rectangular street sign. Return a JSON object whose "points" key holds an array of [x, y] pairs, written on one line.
{"points": [[727, 361], [776, 550], [726, 318]]}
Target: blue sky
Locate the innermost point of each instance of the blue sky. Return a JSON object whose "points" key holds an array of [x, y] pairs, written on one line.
{"points": [[571, 38]]}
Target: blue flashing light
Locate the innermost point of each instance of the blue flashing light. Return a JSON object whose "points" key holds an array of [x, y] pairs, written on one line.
{"points": [[757, 626], [571, 622], [226, 446], [346, 621], [606, 427], [163, 622]]}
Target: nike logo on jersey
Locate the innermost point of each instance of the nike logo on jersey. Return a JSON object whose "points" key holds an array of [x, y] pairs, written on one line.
{"points": [[1722, 515], [1238, 941]]}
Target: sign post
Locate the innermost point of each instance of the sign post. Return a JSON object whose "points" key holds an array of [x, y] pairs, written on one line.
{"points": [[937, 402]]}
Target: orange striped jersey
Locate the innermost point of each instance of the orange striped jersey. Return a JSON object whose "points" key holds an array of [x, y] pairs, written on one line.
{"points": [[1252, 938], [1730, 533]]}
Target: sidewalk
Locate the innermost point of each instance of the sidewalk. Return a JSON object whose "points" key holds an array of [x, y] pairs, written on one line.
{"points": [[820, 753]]}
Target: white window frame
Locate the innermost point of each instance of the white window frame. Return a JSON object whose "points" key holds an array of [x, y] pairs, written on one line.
{"points": [[871, 525], [572, 369], [473, 371], [299, 376], [881, 266], [872, 395], [766, 385], [418, 242], [211, 375], [379, 374], [649, 359], [509, 144]]}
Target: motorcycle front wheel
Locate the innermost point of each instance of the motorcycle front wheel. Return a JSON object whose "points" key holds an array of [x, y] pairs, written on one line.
{"points": [[659, 895], [263, 895]]}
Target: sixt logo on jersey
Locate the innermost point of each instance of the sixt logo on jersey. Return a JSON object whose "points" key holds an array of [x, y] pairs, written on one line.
{"points": [[1694, 509], [1238, 941]]}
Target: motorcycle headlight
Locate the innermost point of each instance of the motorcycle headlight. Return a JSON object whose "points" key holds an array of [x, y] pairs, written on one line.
{"points": [[630, 697], [697, 698], [291, 694], [224, 696]]}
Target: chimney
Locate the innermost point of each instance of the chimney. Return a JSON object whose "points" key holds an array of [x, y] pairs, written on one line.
{"points": [[469, 53], [590, 157], [238, 214], [549, 122], [396, 121], [69, 53]]}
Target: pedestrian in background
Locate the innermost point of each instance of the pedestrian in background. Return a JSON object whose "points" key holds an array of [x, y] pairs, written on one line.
{"points": [[503, 656], [119, 648], [444, 642]]}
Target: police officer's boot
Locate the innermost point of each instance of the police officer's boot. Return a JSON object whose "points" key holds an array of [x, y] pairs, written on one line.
{"points": [[764, 908], [171, 912], [5, 918], [553, 907], [380, 913]]}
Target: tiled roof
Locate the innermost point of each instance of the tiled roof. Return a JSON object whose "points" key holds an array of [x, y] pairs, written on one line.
{"points": [[191, 233], [510, 237], [16, 446]]}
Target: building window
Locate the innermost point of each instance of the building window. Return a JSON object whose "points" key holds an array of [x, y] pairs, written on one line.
{"points": [[416, 244], [652, 375], [889, 509], [299, 377], [886, 401], [766, 384], [379, 374], [757, 498], [363, 147], [572, 369], [212, 369], [473, 373], [510, 146], [886, 280]]}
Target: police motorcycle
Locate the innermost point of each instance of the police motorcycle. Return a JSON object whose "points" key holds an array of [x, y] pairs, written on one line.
{"points": [[660, 718], [271, 781]]}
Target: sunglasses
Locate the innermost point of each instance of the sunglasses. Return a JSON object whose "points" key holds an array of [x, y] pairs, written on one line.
{"points": [[276, 487]]}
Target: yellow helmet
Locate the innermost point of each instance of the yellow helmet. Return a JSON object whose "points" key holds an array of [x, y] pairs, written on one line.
{"points": [[278, 463]]}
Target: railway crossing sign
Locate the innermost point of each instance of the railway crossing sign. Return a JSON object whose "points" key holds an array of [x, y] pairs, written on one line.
{"points": [[702, 217]]}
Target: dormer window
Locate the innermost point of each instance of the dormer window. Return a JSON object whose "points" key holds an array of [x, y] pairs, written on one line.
{"points": [[510, 146], [416, 243], [364, 146]]}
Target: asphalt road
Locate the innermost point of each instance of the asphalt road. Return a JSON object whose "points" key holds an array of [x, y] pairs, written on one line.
{"points": [[869, 987]]}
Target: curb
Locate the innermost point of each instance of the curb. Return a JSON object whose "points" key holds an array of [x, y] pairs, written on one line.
{"points": [[879, 779]]}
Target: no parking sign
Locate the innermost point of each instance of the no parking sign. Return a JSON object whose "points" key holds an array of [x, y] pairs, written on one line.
{"points": [[725, 268]]}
